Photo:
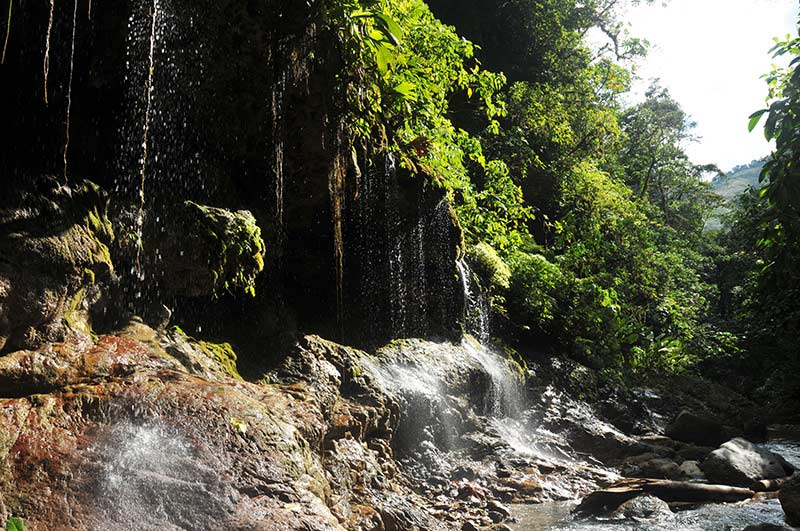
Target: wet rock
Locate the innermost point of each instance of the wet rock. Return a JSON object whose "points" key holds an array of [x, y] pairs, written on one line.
{"points": [[54, 243], [790, 500], [766, 527], [692, 470], [643, 507], [690, 452], [658, 468], [206, 251], [150, 420], [692, 428], [740, 463], [493, 505]]}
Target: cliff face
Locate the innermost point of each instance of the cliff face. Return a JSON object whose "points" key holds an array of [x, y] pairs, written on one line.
{"points": [[236, 105]]}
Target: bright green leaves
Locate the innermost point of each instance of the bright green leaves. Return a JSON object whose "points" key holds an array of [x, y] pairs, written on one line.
{"points": [[755, 118], [15, 524], [406, 89]]}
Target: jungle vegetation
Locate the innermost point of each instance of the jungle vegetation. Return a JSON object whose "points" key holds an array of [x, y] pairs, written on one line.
{"points": [[592, 206]]}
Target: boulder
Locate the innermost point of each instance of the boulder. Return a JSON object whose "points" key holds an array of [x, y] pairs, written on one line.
{"points": [[691, 470], [691, 428], [790, 500], [656, 468], [644, 507], [740, 463], [206, 251], [54, 244]]}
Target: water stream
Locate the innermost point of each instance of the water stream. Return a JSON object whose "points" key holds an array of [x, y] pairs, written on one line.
{"points": [[709, 517]]}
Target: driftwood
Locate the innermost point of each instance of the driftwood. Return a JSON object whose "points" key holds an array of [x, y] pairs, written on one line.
{"points": [[769, 485], [610, 498]]}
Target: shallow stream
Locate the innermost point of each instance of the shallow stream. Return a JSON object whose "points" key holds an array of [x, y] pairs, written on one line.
{"points": [[712, 517]]}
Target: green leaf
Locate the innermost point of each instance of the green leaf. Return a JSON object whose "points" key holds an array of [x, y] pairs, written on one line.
{"points": [[406, 89], [389, 27], [755, 118], [384, 57], [15, 524]]}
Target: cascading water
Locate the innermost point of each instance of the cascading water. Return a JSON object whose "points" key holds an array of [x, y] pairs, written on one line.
{"points": [[476, 305], [148, 98]]}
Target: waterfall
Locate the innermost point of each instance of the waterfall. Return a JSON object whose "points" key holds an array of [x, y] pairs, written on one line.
{"points": [[148, 98], [476, 305], [69, 86]]}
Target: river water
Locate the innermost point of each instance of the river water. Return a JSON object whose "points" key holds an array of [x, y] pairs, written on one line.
{"points": [[711, 517]]}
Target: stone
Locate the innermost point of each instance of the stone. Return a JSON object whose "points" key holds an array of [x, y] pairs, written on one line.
{"points": [[692, 470], [790, 500], [691, 428], [494, 505], [740, 463], [206, 251], [650, 466], [645, 507], [766, 527], [54, 243]]}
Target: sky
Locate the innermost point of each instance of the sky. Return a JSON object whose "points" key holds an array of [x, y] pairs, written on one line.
{"points": [[711, 55]]}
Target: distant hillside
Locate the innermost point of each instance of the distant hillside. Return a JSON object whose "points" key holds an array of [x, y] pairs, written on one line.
{"points": [[732, 184]]}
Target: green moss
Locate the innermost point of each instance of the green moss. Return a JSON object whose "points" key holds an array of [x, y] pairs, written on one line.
{"points": [[74, 317], [223, 354], [488, 265], [237, 247]]}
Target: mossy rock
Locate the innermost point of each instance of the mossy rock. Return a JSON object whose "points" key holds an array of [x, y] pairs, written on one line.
{"points": [[223, 354], [54, 244], [488, 265], [208, 251]]}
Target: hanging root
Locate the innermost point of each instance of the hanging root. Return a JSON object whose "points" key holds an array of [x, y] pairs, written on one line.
{"points": [[69, 86], [89, 11], [47, 49], [8, 31]]}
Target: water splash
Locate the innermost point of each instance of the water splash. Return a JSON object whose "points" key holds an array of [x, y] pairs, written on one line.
{"points": [[46, 65], [151, 476], [69, 85], [504, 397], [139, 223]]}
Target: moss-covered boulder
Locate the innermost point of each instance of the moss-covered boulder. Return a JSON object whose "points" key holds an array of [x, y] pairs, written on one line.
{"points": [[54, 250], [208, 251], [488, 265]]}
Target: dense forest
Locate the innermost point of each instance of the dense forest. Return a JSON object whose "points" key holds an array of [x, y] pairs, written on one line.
{"points": [[195, 194]]}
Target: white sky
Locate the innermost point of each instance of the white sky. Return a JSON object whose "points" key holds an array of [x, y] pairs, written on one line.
{"points": [[711, 54]]}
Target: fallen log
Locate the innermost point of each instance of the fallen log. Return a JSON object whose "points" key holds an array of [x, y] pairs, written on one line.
{"points": [[768, 485], [608, 499]]}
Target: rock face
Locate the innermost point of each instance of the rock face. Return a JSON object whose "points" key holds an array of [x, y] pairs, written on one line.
{"points": [[54, 243], [691, 428], [140, 430], [740, 463], [790, 500]]}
